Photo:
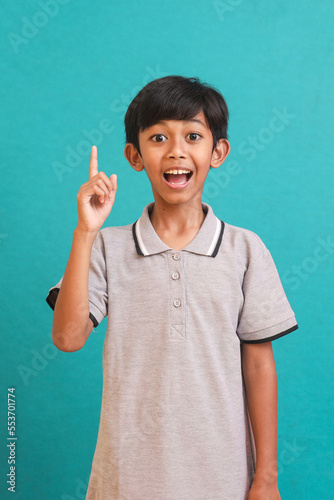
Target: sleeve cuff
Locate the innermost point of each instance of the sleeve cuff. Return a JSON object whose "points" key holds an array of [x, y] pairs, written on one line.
{"points": [[94, 312], [269, 339], [269, 334], [51, 299]]}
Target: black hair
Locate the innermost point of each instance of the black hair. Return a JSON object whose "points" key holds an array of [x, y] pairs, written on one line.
{"points": [[176, 98]]}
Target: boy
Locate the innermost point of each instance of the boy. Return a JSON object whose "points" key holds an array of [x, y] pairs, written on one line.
{"points": [[189, 380]]}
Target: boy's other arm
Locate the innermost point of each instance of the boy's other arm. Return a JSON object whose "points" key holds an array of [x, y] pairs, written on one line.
{"points": [[71, 323], [260, 378]]}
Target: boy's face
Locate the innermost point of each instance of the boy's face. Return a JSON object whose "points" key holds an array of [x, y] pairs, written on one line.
{"points": [[177, 155]]}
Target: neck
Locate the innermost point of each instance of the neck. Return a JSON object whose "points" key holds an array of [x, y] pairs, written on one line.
{"points": [[177, 219]]}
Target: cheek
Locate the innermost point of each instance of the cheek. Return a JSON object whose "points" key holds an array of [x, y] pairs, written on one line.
{"points": [[204, 159], [151, 157]]}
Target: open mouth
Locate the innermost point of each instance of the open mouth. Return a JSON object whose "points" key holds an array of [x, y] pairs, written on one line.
{"points": [[177, 176]]}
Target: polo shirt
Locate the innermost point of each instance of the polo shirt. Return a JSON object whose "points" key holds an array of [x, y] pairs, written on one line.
{"points": [[174, 422]]}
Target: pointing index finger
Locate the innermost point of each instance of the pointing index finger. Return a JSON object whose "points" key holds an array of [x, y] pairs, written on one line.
{"points": [[93, 166]]}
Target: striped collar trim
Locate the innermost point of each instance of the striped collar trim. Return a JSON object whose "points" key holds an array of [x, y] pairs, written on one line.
{"points": [[206, 242]]}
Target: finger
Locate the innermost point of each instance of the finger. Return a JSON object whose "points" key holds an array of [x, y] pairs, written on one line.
{"points": [[113, 182], [109, 185], [100, 194], [112, 193], [102, 185], [107, 181], [93, 166]]}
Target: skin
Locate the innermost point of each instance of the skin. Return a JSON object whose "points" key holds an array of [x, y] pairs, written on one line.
{"points": [[176, 217], [258, 366], [177, 214], [71, 323]]}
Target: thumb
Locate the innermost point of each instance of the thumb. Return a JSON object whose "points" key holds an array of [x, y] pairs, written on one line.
{"points": [[113, 179]]}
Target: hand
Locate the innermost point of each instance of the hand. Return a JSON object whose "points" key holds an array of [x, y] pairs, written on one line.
{"points": [[96, 197], [262, 490]]}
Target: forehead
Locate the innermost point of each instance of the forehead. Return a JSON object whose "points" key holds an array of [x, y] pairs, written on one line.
{"points": [[199, 119]]}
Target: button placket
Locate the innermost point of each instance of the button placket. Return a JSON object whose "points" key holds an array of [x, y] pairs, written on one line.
{"points": [[176, 288]]}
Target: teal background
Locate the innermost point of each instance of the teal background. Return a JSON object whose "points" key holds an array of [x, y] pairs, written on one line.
{"points": [[78, 65]]}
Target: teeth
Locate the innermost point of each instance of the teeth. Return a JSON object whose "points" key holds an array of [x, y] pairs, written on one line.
{"points": [[174, 171]]}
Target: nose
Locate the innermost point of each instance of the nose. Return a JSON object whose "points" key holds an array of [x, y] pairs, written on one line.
{"points": [[177, 148]]}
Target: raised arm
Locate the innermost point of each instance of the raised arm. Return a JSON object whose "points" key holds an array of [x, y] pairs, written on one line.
{"points": [[71, 323]]}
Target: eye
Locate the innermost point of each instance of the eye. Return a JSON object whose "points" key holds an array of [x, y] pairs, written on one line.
{"points": [[193, 136], [158, 138]]}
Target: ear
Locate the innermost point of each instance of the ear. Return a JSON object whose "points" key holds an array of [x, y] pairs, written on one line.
{"points": [[133, 157], [220, 153]]}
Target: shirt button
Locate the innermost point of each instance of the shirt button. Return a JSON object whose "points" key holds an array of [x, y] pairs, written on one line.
{"points": [[177, 303], [175, 276], [176, 256]]}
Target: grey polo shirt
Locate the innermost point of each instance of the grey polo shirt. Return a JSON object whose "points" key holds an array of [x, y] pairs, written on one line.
{"points": [[174, 422]]}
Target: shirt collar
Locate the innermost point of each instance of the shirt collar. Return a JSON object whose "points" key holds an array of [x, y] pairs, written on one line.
{"points": [[206, 242]]}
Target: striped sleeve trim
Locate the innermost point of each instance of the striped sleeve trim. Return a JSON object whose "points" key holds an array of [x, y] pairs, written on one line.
{"points": [[51, 299], [269, 339]]}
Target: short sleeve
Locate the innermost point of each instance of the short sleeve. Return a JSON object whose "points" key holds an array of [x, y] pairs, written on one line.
{"points": [[97, 284], [266, 314]]}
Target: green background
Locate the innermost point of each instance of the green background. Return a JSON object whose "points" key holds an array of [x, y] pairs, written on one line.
{"points": [[70, 67]]}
